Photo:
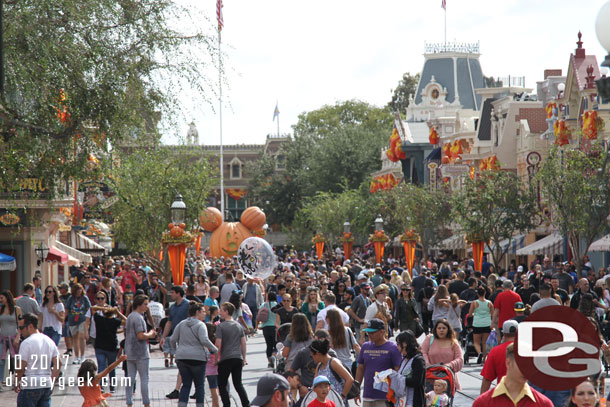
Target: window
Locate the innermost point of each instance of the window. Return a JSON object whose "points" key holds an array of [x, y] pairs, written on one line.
{"points": [[235, 168], [280, 162], [235, 208]]}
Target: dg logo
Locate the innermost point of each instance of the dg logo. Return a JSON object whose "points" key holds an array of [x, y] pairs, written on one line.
{"points": [[557, 347]]}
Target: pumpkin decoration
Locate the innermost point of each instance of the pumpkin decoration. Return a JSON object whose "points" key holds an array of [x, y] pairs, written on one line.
{"points": [[170, 226], [176, 231], [210, 219], [253, 218], [182, 226], [227, 237]]}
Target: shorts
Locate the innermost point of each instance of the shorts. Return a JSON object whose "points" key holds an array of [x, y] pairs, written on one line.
{"points": [[65, 331], [481, 329], [77, 329], [167, 347], [213, 381]]}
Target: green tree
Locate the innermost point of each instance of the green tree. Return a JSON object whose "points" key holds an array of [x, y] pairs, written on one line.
{"points": [[406, 88], [493, 207], [85, 74], [576, 185], [409, 206], [147, 182]]}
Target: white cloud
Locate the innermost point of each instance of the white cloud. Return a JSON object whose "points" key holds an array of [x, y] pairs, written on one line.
{"points": [[306, 54]]}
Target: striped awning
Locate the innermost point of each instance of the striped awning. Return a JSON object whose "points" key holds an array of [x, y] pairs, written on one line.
{"points": [[75, 256], [549, 245], [601, 245], [510, 246], [455, 242], [84, 244]]}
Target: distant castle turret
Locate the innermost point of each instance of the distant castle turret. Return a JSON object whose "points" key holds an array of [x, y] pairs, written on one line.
{"points": [[192, 135]]}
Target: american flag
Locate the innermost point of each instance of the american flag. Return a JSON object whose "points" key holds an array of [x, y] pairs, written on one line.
{"points": [[444, 4], [221, 22]]}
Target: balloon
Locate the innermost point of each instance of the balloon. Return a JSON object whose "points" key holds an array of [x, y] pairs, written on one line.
{"points": [[256, 258]]}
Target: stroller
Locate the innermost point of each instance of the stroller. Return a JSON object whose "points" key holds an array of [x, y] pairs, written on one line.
{"points": [[332, 395], [467, 339], [282, 334], [441, 372]]}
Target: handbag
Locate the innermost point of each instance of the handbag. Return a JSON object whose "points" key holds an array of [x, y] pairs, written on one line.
{"points": [[263, 314], [354, 366], [354, 391], [419, 329]]}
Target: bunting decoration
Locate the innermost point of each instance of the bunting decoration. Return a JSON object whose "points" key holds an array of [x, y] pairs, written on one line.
{"points": [[562, 133], [592, 124], [383, 182], [236, 193], [488, 164], [549, 109], [433, 137], [395, 152]]}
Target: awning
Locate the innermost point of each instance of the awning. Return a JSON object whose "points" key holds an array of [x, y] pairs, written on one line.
{"points": [[549, 245], [516, 243], [77, 255], [455, 242], [57, 255], [601, 245], [435, 155], [84, 244], [7, 263]]}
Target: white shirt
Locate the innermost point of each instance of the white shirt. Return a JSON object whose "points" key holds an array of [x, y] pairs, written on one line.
{"points": [[322, 315], [51, 320], [38, 351]]}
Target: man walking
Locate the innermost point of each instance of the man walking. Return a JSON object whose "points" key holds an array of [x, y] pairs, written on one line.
{"points": [[504, 305], [253, 297], [231, 344], [26, 301], [178, 312], [33, 378], [375, 356]]}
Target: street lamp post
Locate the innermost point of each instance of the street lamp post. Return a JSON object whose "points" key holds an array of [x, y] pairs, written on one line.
{"points": [[179, 240], [347, 240], [602, 29], [178, 210], [379, 223], [379, 239]]}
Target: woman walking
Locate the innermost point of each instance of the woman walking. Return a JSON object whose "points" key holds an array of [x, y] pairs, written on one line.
{"points": [[300, 337], [405, 313], [312, 305], [190, 339], [106, 342], [439, 304], [442, 347], [408, 382], [76, 309], [285, 313], [342, 339], [9, 335], [201, 287], [481, 311], [340, 378], [269, 328], [52, 316]]}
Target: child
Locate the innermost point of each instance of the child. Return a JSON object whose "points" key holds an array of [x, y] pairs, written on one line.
{"points": [[124, 366], [211, 368], [93, 393], [214, 314], [166, 347], [437, 397], [295, 383], [321, 385]]}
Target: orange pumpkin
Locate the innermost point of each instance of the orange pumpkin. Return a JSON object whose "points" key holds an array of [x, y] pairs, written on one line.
{"points": [[210, 219], [226, 239], [170, 226], [253, 218], [182, 226], [176, 231]]}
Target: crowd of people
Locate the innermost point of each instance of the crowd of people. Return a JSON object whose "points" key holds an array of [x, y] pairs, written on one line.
{"points": [[339, 322]]}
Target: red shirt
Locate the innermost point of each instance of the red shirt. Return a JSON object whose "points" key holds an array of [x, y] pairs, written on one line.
{"points": [[501, 399], [495, 364], [129, 277], [505, 304], [316, 403]]}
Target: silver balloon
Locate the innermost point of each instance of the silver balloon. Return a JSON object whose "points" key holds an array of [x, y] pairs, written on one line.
{"points": [[256, 258]]}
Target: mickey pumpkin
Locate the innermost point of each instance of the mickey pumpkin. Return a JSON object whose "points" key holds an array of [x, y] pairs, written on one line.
{"points": [[227, 236]]}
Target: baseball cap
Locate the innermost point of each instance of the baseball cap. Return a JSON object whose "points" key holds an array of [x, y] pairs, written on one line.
{"points": [[510, 327], [374, 325], [520, 268], [266, 386], [320, 379], [519, 306], [365, 285]]}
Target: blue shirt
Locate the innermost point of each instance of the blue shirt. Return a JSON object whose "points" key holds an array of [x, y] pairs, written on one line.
{"points": [[209, 302], [178, 313]]}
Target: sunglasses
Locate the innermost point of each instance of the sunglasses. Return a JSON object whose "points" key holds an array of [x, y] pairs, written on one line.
{"points": [[49, 292], [100, 298], [289, 281], [405, 289]]}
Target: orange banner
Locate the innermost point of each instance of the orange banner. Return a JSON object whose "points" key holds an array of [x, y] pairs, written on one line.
{"points": [[347, 250], [379, 248], [177, 256], [161, 255], [409, 247], [319, 249], [477, 254], [197, 245], [236, 193]]}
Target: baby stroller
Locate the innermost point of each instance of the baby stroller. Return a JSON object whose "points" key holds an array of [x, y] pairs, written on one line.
{"points": [[332, 395], [282, 334], [441, 372], [467, 339]]}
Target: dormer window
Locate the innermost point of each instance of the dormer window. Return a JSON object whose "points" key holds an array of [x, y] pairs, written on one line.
{"points": [[235, 168]]}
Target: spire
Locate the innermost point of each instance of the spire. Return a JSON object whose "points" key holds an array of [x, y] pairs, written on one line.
{"points": [[590, 78], [580, 51], [192, 135]]}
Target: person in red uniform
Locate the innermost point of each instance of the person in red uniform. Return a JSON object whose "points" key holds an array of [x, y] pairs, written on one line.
{"points": [[513, 390], [504, 305], [495, 364]]}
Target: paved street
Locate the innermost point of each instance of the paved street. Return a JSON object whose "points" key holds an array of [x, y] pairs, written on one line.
{"points": [[162, 381]]}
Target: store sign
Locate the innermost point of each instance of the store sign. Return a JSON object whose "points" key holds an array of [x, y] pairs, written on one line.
{"points": [[12, 217], [27, 185], [454, 170]]}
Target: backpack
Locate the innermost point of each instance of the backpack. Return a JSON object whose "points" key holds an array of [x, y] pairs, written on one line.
{"points": [[263, 314]]}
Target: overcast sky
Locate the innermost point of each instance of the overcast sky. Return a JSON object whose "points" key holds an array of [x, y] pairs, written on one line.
{"points": [[305, 54]]}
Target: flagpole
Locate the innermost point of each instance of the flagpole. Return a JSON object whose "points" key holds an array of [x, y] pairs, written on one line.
{"points": [[278, 125], [222, 189], [445, 8]]}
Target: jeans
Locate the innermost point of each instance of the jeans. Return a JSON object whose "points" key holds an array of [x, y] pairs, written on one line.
{"points": [[139, 366], [52, 333], [234, 368], [254, 315], [104, 359], [270, 335], [559, 398], [34, 398], [191, 373]]}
